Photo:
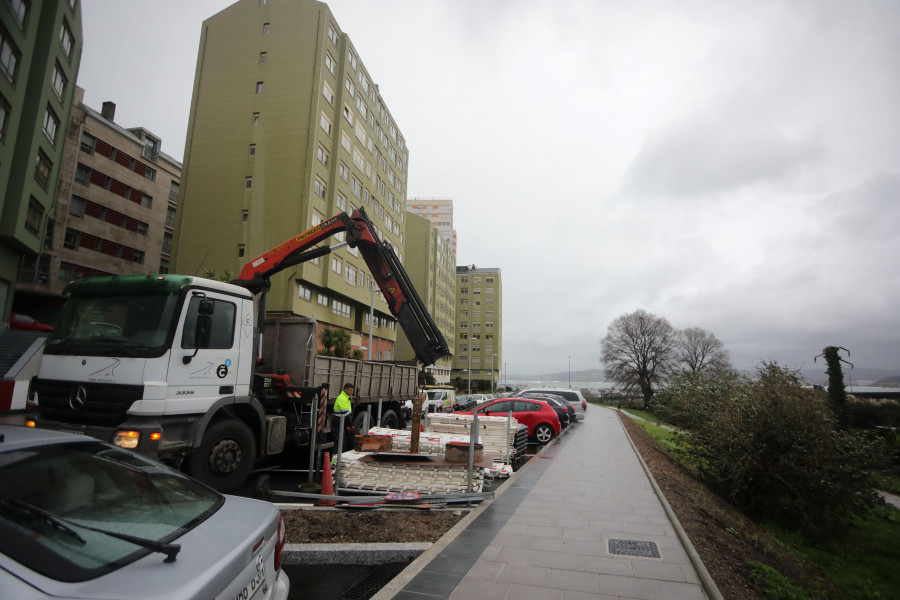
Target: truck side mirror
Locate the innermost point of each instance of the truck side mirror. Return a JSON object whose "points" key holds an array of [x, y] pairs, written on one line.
{"points": [[203, 327]]}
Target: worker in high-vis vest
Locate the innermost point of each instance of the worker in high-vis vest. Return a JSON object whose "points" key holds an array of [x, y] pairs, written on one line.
{"points": [[342, 406]]}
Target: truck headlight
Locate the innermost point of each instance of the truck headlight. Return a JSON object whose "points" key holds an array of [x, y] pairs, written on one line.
{"points": [[127, 439]]}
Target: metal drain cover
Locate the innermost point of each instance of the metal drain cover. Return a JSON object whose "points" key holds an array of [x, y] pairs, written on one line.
{"points": [[373, 583], [634, 548]]}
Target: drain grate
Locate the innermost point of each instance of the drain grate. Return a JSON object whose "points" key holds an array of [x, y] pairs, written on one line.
{"points": [[634, 548], [372, 583]]}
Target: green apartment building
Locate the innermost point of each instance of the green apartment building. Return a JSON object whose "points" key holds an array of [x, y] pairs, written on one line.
{"points": [[431, 269], [287, 128], [479, 323], [40, 51]]}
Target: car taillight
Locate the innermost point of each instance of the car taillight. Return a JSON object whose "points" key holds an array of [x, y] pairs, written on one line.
{"points": [[583, 405], [279, 543]]}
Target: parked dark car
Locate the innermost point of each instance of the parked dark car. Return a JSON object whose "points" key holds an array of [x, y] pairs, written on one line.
{"points": [[464, 402], [557, 402]]}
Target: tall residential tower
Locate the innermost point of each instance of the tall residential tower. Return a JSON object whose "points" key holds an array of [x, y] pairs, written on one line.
{"points": [[287, 128], [40, 51]]}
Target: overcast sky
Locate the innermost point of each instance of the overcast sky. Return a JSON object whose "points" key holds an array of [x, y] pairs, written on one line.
{"points": [[729, 165]]}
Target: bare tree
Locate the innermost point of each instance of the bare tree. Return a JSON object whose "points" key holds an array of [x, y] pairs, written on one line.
{"points": [[700, 350], [639, 351]]}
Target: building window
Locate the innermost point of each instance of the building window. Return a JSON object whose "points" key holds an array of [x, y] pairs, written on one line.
{"points": [[262, 58], [322, 299], [170, 217], [146, 201], [252, 150], [341, 202], [4, 116], [259, 86], [82, 174], [256, 118], [240, 250], [346, 143], [248, 183], [143, 229], [348, 113], [174, 188], [65, 40], [350, 274], [137, 257], [332, 35], [351, 58], [72, 239], [150, 173], [88, 143], [329, 63], [42, 168], [340, 308], [325, 122], [58, 82], [322, 155], [19, 9], [76, 206], [343, 171], [350, 86], [266, 27], [319, 187], [34, 216], [51, 124], [303, 292], [337, 265], [151, 151], [9, 57], [164, 266], [66, 271], [327, 93]]}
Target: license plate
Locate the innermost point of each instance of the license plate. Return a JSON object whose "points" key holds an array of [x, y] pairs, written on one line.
{"points": [[257, 583]]}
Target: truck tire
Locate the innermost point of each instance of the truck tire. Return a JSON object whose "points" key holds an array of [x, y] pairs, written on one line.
{"points": [[225, 456], [390, 420]]}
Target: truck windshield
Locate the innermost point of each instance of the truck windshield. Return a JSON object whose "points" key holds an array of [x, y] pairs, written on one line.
{"points": [[125, 324]]}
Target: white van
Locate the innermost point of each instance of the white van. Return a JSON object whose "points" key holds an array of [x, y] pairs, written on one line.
{"points": [[573, 397]]}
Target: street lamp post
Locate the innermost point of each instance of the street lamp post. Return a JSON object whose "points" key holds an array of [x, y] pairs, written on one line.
{"points": [[492, 373], [570, 371], [469, 343]]}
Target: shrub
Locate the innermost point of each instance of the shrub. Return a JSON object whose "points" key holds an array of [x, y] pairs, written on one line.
{"points": [[691, 399], [772, 448]]}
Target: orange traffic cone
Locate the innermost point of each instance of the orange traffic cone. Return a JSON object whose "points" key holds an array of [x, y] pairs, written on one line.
{"points": [[327, 486]]}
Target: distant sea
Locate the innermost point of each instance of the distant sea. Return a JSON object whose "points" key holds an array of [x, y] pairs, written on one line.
{"points": [[605, 385]]}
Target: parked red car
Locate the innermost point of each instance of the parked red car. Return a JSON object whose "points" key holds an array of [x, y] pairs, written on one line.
{"points": [[537, 415], [17, 321]]}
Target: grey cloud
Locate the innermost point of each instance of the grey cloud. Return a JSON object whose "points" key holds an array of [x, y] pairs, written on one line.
{"points": [[708, 153]]}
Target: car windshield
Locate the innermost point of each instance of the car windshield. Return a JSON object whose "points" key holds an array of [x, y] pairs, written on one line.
{"points": [[95, 485], [129, 324]]}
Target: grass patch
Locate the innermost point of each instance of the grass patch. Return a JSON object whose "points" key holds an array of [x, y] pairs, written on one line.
{"points": [[777, 586], [889, 482], [864, 564], [644, 414], [669, 439]]}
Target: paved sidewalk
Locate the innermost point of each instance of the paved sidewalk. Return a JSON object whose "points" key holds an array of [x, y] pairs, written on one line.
{"points": [[558, 530]]}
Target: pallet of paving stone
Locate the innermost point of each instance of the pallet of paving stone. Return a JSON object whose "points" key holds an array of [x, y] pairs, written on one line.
{"points": [[434, 477]]}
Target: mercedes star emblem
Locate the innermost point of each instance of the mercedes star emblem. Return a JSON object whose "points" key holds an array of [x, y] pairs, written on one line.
{"points": [[78, 398]]}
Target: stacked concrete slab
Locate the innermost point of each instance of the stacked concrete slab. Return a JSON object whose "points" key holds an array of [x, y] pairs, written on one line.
{"points": [[392, 476]]}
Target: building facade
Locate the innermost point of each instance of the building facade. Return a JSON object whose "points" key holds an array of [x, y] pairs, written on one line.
{"points": [[439, 211], [288, 128], [479, 326], [40, 52], [431, 268], [115, 208]]}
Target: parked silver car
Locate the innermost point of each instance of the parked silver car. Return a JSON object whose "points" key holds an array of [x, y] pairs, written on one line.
{"points": [[573, 397], [80, 518]]}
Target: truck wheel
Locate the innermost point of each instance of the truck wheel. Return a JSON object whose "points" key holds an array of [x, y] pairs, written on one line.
{"points": [[225, 456], [390, 420]]}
